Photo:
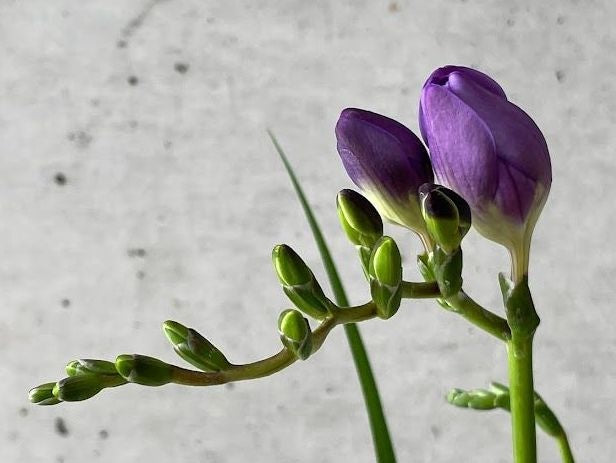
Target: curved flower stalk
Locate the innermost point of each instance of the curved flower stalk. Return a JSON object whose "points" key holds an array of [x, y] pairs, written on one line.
{"points": [[490, 152]]}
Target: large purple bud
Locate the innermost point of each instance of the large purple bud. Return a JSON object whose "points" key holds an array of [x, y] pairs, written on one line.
{"points": [[387, 162], [490, 152]]}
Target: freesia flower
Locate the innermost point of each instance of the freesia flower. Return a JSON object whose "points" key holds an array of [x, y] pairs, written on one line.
{"points": [[490, 152], [387, 161]]}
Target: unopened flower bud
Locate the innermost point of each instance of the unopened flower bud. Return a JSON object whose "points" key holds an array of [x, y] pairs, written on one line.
{"points": [[147, 371], [477, 399], [442, 220], [295, 333], [385, 273], [387, 162], [43, 395], [89, 366], [359, 219], [299, 283], [194, 348], [79, 387]]}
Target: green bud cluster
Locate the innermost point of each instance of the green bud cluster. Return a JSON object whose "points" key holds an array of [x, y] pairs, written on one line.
{"points": [[144, 370], [295, 333], [298, 283], [194, 348], [498, 397], [385, 275]]}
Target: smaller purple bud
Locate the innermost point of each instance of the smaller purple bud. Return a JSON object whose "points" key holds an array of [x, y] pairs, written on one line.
{"points": [[387, 161]]}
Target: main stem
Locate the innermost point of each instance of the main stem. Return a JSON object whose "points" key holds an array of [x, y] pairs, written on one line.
{"points": [[521, 388]]}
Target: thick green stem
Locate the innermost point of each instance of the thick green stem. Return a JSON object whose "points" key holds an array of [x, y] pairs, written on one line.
{"points": [[479, 316], [522, 398]]}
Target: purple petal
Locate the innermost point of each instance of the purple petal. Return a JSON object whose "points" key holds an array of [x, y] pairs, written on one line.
{"points": [[380, 153]]}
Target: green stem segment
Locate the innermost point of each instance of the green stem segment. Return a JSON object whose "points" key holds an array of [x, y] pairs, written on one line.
{"points": [[380, 434], [519, 352], [565, 449]]}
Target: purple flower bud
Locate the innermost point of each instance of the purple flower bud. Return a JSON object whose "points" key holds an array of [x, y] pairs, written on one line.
{"points": [[489, 151], [387, 161]]}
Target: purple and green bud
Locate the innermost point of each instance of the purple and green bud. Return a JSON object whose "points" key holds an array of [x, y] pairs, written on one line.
{"points": [[194, 348], [442, 219], [298, 283], [490, 152], [385, 275], [43, 395], [387, 162], [295, 333], [144, 370], [359, 219]]}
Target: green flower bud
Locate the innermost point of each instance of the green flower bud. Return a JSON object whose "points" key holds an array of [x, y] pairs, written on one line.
{"points": [[299, 283], [359, 219], [295, 333], [385, 273], [441, 217], [194, 348], [43, 395], [147, 371], [89, 366], [477, 399], [79, 387], [462, 207]]}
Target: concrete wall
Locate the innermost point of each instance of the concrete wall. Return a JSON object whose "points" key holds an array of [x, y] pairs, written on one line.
{"points": [[137, 184]]}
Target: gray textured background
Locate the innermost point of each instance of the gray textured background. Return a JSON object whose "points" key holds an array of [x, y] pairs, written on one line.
{"points": [[155, 113]]}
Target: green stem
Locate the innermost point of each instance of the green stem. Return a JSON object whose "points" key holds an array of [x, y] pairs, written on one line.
{"points": [[479, 316], [565, 449], [521, 389], [380, 434]]}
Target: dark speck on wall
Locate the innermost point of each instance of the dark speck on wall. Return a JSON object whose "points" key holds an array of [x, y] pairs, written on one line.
{"points": [[66, 303], [436, 431], [121, 43], [132, 80], [560, 20], [393, 7], [182, 68], [103, 434], [560, 75], [511, 22], [60, 179], [23, 411], [136, 252], [81, 138], [140, 275], [230, 386], [60, 427]]}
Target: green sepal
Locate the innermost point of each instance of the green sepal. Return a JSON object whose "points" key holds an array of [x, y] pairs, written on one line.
{"points": [[144, 370], [447, 270], [295, 333], [90, 366], [359, 218], [43, 395], [364, 257], [385, 273], [299, 284], [425, 269], [521, 314], [194, 348]]}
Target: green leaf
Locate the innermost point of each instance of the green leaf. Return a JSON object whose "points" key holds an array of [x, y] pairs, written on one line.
{"points": [[380, 435]]}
